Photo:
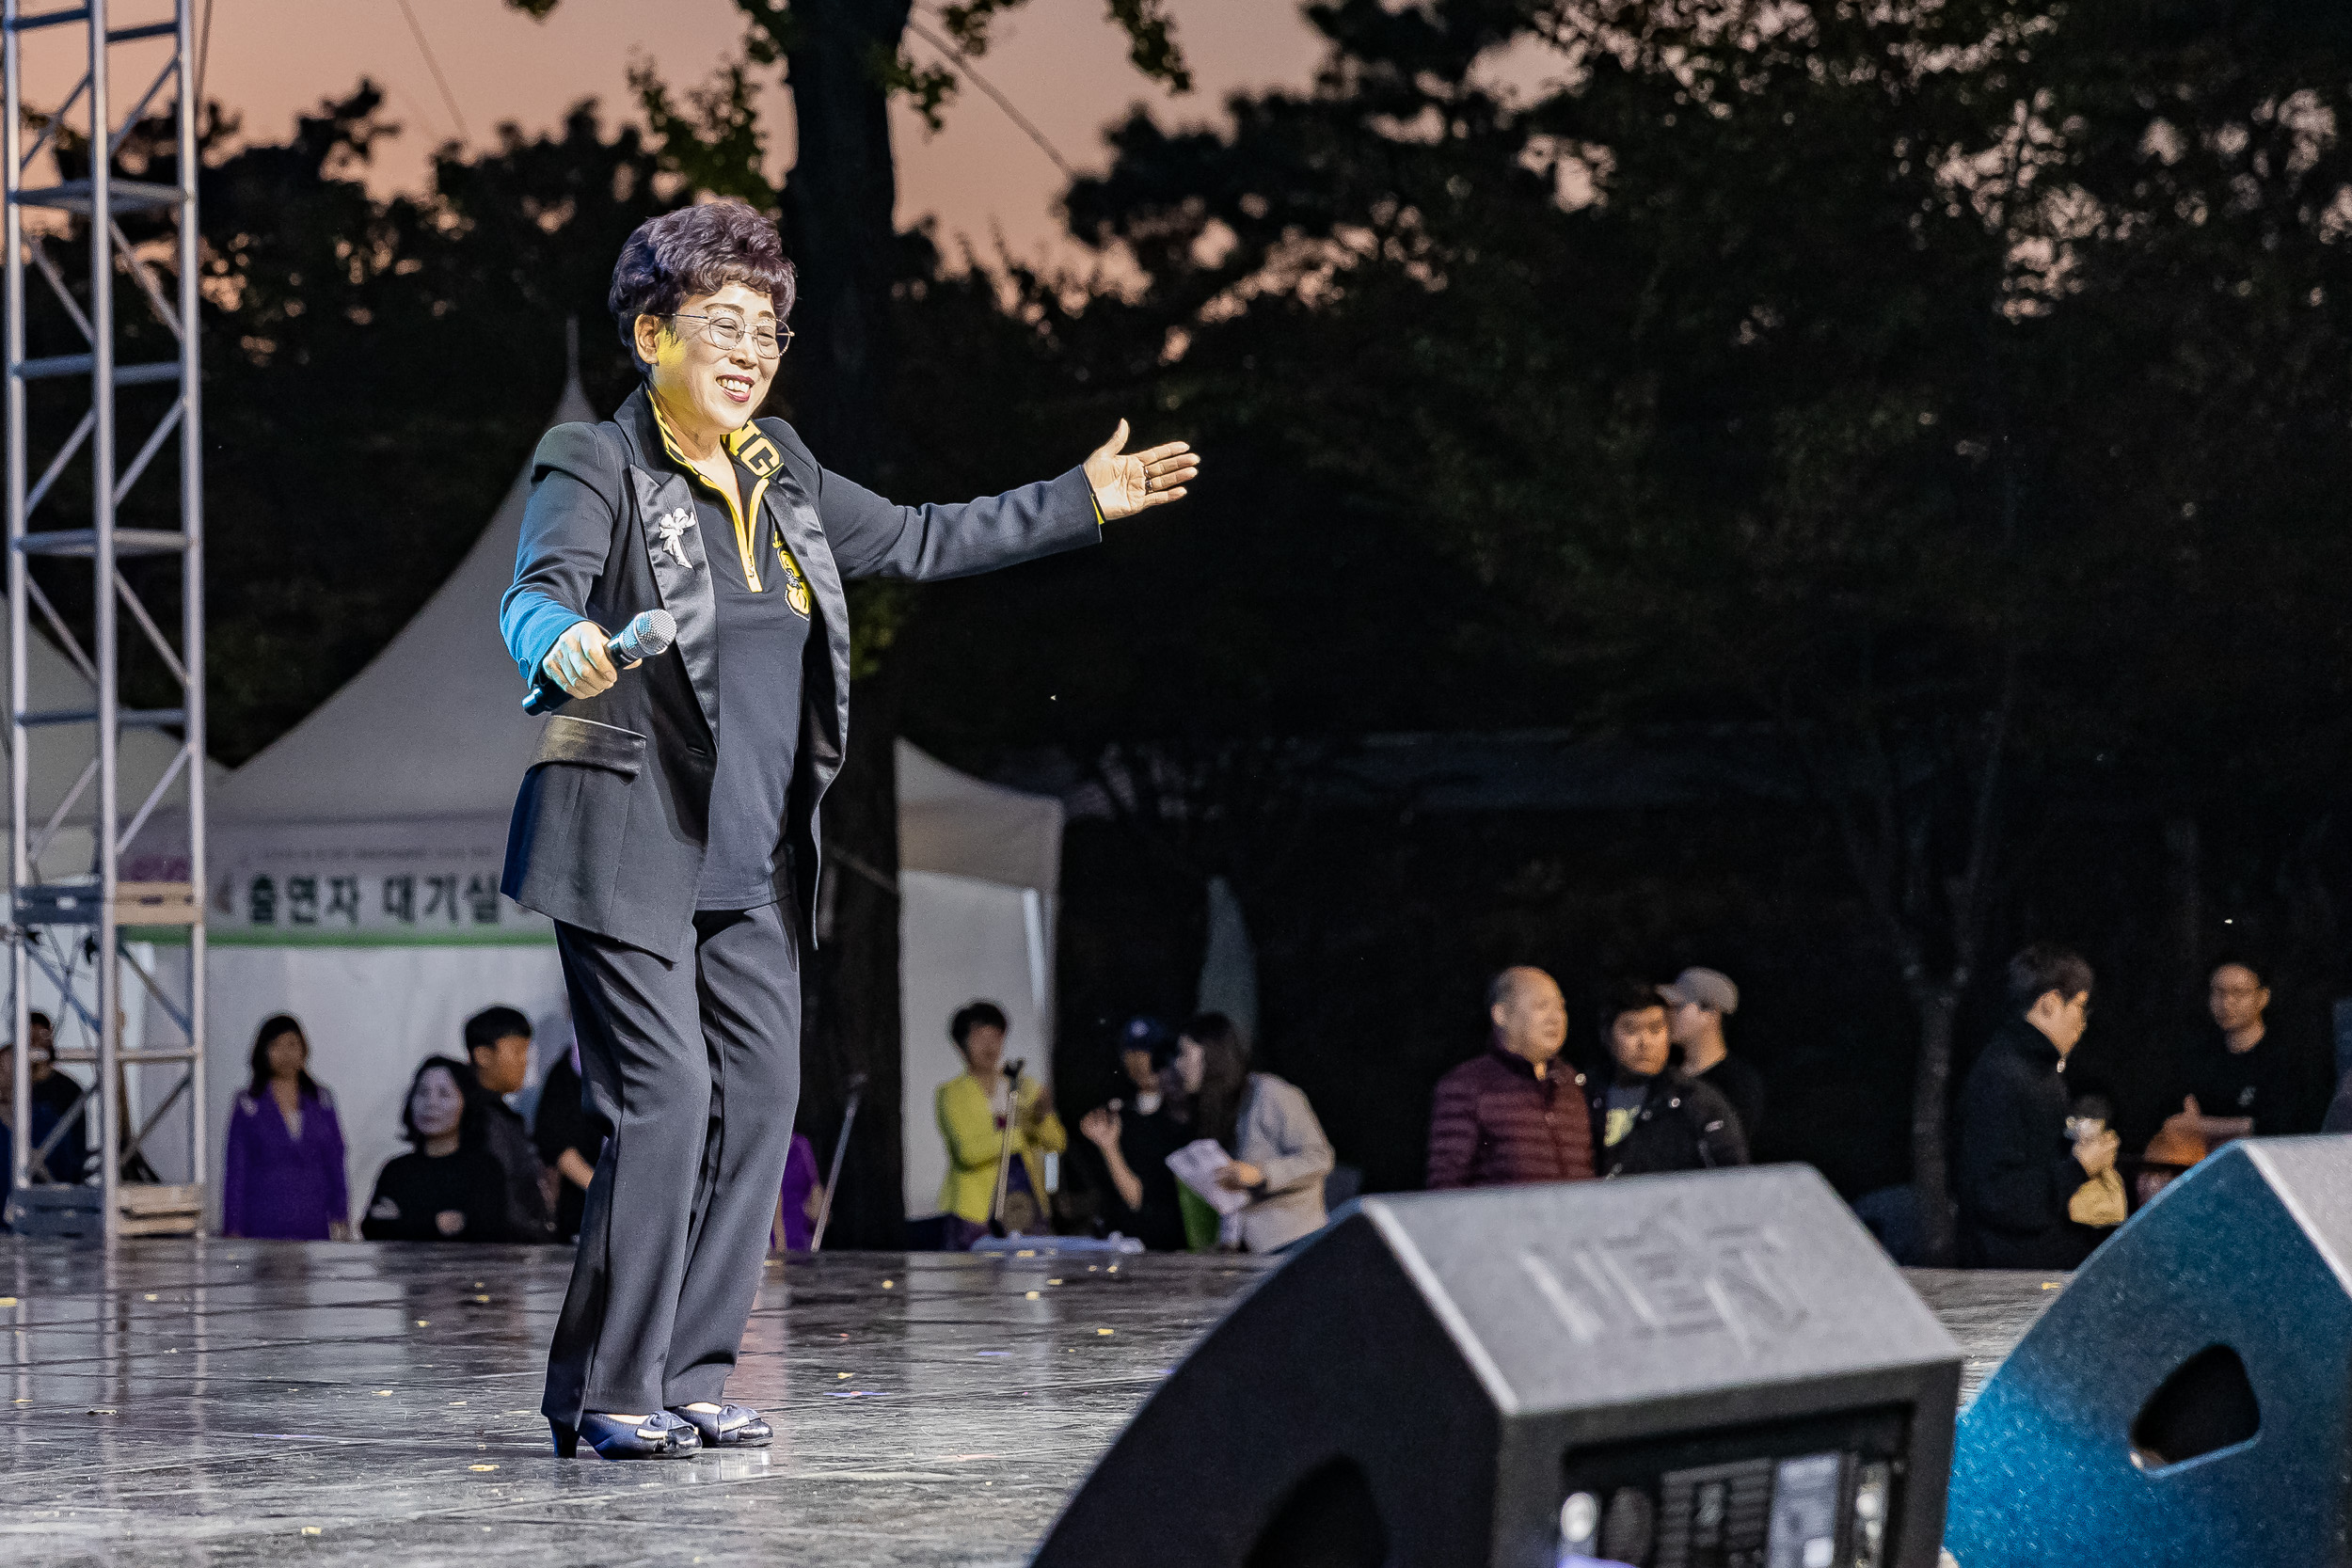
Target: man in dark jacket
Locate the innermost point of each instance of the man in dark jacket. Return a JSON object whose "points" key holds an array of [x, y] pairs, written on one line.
{"points": [[498, 1044], [1652, 1115], [2017, 1170], [1515, 1113], [56, 1097], [1697, 1003]]}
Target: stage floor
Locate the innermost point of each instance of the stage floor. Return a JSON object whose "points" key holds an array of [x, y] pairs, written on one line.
{"points": [[233, 1402]]}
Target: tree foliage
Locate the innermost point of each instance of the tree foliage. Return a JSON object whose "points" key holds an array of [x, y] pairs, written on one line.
{"points": [[1958, 388], [1955, 390]]}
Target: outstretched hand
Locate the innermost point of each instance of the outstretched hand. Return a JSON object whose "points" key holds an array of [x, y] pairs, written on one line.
{"points": [[1125, 483]]}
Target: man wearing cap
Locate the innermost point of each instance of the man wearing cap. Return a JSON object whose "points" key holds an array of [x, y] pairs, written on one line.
{"points": [[1696, 1005], [1135, 1138], [1514, 1112]]}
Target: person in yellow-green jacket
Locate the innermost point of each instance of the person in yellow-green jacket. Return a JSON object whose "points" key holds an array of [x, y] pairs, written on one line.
{"points": [[972, 1123]]}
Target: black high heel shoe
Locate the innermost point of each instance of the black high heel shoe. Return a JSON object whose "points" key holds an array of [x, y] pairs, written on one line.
{"points": [[733, 1426], [660, 1435]]}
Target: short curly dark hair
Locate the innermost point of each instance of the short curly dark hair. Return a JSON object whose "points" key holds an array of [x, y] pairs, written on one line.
{"points": [[696, 250], [976, 1015]]}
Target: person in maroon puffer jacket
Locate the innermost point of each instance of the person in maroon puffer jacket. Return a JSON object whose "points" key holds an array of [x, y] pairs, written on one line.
{"points": [[1515, 1113]]}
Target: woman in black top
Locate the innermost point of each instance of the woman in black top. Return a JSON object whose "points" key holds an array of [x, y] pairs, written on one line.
{"points": [[450, 1189]]}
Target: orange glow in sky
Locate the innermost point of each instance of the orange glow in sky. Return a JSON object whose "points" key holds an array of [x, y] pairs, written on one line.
{"points": [[1059, 60]]}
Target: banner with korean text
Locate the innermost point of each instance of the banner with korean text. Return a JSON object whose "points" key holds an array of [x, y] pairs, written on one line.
{"points": [[433, 881]]}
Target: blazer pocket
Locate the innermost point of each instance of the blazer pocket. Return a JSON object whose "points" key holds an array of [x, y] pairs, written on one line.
{"points": [[588, 744]]}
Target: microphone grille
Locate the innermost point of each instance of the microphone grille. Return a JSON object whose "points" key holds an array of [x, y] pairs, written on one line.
{"points": [[650, 635]]}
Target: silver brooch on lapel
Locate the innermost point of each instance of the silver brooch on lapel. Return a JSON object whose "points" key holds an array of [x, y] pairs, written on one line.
{"points": [[672, 529]]}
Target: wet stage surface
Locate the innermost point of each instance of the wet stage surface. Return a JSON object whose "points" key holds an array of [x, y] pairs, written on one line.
{"points": [[231, 1402]]}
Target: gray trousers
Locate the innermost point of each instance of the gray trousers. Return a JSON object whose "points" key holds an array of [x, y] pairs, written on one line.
{"points": [[695, 1066]]}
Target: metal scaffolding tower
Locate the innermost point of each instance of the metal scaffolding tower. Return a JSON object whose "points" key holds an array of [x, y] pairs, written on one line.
{"points": [[68, 927]]}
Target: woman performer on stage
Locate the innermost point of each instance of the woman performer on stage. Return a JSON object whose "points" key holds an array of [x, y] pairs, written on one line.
{"points": [[668, 821]]}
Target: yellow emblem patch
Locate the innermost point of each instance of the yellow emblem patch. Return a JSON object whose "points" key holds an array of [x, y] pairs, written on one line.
{"points": [[795, 591]]}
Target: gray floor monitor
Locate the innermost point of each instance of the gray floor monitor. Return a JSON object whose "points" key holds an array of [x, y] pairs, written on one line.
{"points": [[1714, 1371]]}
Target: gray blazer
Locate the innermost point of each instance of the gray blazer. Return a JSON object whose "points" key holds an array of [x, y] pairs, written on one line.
{"points": [[612, 817], [1278, 1133]]}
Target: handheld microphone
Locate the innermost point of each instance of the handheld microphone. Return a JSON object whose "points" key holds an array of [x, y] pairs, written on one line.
{"points": [[648, 636]]}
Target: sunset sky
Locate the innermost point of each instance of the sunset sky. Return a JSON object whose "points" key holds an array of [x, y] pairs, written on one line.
{"points": [[1059, 60]]}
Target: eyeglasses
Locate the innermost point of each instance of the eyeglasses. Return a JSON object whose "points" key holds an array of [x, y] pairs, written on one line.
{"points": [[723, 332]]}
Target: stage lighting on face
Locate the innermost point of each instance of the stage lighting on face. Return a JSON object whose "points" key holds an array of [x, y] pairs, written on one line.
{"points": [[1713, 1370]]}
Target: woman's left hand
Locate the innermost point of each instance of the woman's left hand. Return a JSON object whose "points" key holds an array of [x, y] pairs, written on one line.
{"points": [[1240, 1177], [1126, 483]]}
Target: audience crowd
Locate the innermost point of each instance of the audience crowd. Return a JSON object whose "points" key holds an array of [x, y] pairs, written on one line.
{"points": [[1195, 1147], [2039, 1175]]}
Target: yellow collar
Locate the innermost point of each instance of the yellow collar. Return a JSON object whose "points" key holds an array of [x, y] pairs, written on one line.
{"points": [[734, 440], [750, 446]]}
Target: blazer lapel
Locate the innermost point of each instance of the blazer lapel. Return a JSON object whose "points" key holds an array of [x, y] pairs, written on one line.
{"points": [[680, 559], [791, 513]]}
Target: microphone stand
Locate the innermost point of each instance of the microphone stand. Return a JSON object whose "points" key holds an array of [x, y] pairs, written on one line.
{"points": [[840, 1148], [1004, 1151]]}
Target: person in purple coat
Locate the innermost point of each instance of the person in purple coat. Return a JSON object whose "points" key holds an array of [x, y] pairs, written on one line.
{"points": [[284, 1177], [796, 1210]]}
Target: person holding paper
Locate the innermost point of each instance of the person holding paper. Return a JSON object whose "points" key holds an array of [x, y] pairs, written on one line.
{"points": [[1277, 1155]]}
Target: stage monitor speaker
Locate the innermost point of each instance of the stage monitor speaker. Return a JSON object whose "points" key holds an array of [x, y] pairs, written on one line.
{"points": [[1713, 1370], [2187, 1399]]}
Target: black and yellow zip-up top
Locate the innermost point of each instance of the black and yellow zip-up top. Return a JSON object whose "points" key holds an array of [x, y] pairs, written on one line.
{"points": [[756, 461], [763, 606]]}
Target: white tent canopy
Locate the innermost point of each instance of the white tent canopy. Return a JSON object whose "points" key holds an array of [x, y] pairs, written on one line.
{"points": [[961, 826]]}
